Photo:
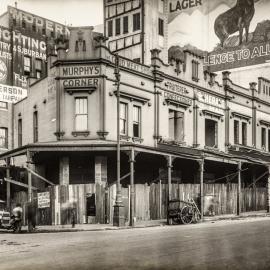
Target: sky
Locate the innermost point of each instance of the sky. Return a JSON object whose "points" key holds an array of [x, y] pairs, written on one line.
{"points": [[75, 12]]}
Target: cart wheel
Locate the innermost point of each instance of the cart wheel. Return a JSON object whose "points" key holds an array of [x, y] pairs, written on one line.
{"points": [[186, 215]]}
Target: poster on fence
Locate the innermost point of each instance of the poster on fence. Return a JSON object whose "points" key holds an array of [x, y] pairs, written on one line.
{"points": [[43, 199]]}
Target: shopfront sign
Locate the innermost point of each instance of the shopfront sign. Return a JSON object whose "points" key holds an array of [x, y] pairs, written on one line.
{"points": [[43, 199]]}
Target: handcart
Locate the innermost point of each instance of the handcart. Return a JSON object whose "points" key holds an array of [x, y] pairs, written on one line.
{"points": [[184, 212]]}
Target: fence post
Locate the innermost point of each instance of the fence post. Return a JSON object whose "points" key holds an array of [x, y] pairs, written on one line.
{"points": [[201, 168], [268, 190], [160, 199], [239, 189]]}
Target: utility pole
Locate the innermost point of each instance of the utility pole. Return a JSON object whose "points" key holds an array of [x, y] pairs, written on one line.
{"points": [[118, 215]]}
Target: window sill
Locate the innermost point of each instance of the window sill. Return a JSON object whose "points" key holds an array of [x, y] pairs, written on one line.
{"points": [[173, 142], [80, 133], [125, 137], [215, 148], [137, 139], [195, 79]]}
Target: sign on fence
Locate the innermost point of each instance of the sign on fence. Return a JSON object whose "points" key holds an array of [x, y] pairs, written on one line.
{"points": [[43, 199]]}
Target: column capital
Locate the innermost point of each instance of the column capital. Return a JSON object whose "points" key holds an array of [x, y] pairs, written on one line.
{"points": [[131, 154], [201, 163], [239, 165], [170, 160]]}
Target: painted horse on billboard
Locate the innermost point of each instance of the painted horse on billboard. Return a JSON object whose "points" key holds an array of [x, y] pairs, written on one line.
{"points": [[235, 19]]}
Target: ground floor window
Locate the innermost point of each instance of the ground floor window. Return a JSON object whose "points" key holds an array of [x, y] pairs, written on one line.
{"points": [[211, 133]]}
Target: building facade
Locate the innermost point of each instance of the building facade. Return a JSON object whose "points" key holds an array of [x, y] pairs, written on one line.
{"points": [[135, 27], [183, 135], [25, 41]]}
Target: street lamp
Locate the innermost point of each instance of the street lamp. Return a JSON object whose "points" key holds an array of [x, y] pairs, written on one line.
{"points": [[118, 215]]}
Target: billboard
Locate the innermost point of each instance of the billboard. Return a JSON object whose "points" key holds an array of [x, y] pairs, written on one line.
{"points": [[229, 33], [23, 51]]}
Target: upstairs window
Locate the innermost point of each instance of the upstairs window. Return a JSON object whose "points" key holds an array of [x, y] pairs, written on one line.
{"points": [[3, 138], [81, 114], [136, 121], [35, 126], [263, 138], [38, 68], [110, 28], [125, 25], [195, 71], [136, 21], [19, 132], [268, 140], [244, 133], [160, 27], [123, 118], [3, 105], [117, 26], [176, 125], [236, 132], [27, 65], [211, 133]]}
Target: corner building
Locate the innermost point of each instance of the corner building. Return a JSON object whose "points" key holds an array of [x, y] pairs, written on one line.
{"points": [[183, 135]]}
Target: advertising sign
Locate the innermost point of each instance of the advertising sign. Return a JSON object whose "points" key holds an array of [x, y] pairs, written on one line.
{"points": [[43, 199], [229, 34], [23, 51]]}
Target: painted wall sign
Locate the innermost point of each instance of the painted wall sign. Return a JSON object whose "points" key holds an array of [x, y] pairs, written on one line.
{"points": [[125, 63], [80, 83], [226, 59], [181, 5], [43, 199], [19, 17], [177, 98], [210, 99], [176, 87], [79, 71], [12, 94], [214, 29]]}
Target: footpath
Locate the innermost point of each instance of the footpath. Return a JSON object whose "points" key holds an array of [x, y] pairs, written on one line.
{"points": [[141, 224]]}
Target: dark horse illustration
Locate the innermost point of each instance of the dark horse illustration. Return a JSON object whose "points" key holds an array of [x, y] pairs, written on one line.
{"points": [[235, 19]]}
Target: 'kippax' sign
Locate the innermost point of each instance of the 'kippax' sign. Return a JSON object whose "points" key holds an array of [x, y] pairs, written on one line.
{"points": [[251, 55]]}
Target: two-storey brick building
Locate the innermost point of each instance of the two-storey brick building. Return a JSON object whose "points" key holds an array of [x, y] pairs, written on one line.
{"points": [[183, 135]]}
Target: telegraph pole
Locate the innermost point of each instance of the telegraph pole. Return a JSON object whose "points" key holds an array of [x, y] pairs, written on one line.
{"points": [[118, 215]]}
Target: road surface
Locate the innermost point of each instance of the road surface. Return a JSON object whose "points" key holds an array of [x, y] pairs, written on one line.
{"points": [[229, 245]]}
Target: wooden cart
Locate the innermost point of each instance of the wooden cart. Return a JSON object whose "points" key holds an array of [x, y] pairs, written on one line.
{"points": [[184, 212]]}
